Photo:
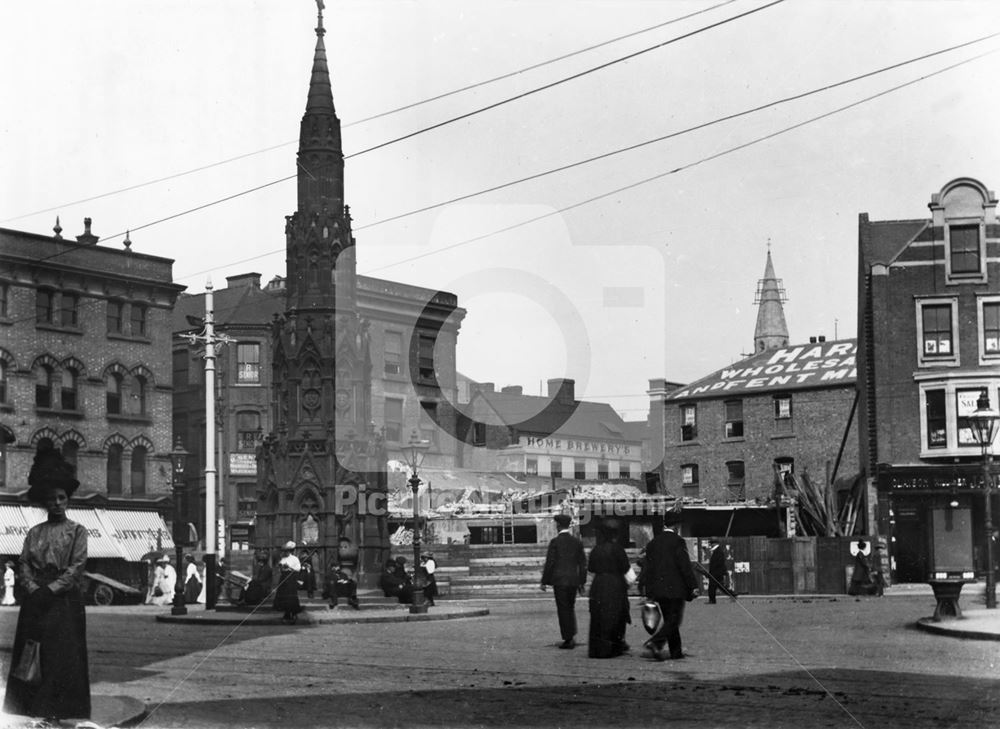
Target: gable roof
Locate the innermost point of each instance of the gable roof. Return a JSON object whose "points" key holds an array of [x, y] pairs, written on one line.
{"points": [[796, 367], [886, 240], [536, 414]]}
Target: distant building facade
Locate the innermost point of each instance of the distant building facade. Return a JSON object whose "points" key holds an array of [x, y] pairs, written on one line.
{"points": [[929, 347], [548, 439], [729, 437], [786, 409], [85, 362], [407, 395]]}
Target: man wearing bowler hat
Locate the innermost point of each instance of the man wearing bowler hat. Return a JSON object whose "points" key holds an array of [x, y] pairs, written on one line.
{"points": [[566, 570], [669, 580]]}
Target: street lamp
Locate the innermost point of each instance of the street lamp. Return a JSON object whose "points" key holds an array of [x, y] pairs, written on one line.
{"points": [[178, 457], [984, 430], [414, 452]]}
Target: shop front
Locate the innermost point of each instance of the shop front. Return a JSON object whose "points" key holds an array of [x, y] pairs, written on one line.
{"points": [[934, 517]]}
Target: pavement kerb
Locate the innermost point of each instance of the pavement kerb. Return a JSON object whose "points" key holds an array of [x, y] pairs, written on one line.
{"points": [[974, 624], [310, 618], [105, 711]]}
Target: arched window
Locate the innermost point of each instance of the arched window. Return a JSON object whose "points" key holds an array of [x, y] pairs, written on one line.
{"points": [[69, 450], [43, 387], [114, 397], [68, 399], [138, 475], [115, 470], [3, 380]]}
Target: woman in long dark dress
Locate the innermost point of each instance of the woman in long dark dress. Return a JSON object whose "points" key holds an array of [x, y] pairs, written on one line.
{"points": [[608, 594], [192, 580], [52, 565], [286, 597]]}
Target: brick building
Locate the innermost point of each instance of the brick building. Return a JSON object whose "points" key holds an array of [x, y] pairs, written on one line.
{"points": [[85, 362], [548, 439], [787, 407], [929, 345], [404, 397]]}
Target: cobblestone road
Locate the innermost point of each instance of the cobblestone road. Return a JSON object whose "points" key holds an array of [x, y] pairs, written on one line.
{"points": [[758, 662]]}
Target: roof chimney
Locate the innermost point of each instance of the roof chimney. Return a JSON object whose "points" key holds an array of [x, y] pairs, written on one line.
{"points": [[244, 279], [87, 238], [562, 390], [512, 390], [812, 340], [821, 338], [485, 386]]}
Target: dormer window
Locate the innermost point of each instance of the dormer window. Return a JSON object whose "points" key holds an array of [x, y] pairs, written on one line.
{"points": [[960, 215], [965, 250]]}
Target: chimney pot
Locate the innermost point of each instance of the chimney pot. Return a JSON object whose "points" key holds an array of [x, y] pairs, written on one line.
{"points": [[812, 340]]}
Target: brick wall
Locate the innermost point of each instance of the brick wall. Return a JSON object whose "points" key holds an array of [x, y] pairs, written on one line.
{"points": [[820, 417]]}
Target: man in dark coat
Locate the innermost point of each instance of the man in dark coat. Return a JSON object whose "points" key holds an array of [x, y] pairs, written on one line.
{"points": [[566, 570], [668, 578], [717, 571]]}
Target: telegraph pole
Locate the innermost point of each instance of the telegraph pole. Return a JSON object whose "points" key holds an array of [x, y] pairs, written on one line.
{"points": [[210, 339]]}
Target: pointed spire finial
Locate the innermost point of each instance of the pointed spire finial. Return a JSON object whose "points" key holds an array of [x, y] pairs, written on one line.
{"points": [[320, 7], [58, 229]]}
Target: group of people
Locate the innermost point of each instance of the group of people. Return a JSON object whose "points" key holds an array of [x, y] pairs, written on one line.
{"points": [[162, 581], [667, 580], [397, 582], [295, 574]]}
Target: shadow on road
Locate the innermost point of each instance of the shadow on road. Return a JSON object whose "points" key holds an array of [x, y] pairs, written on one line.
{"points": [[847, 698]]}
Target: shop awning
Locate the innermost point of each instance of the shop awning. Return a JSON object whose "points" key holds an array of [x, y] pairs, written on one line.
{"points": [[111, 533], [100, 543], [13, 527], [137, 532]]}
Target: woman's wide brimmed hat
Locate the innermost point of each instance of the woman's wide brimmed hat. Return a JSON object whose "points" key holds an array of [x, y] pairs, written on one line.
{"points": [[289, 545], [50, 471]]}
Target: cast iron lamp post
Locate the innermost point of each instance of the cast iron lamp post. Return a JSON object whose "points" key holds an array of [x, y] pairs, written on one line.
{"points": [[984, 430], [414, 453], [178, 458]]}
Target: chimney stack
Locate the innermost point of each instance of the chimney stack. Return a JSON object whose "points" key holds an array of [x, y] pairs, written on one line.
{"points": [[562, 390]]}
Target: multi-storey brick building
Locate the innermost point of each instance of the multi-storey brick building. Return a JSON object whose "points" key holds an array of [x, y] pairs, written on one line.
{"points": [[787, 407], [85, 361], [548, 438], [929, 346], [404, 398]]}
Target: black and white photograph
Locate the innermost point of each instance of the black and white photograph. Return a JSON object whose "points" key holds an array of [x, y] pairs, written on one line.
{"points": [[516, 363]]}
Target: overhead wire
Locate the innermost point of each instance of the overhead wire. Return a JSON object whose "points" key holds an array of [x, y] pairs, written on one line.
{"points": [[380, 115], [603, 195], [566, 79], [681, 168], [671, 135], [697, 127]]}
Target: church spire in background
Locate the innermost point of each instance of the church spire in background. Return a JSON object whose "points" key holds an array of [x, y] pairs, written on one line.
{"points": [[771, 331]]}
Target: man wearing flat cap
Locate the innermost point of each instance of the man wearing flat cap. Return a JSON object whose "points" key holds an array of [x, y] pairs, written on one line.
{"points": [[669, 579], [566, 570]]}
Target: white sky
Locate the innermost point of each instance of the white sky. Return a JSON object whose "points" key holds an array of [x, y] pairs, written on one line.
{"points": [[657, 281]]}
